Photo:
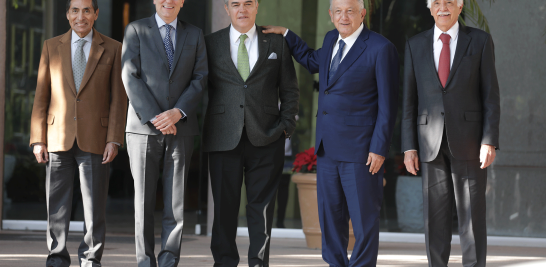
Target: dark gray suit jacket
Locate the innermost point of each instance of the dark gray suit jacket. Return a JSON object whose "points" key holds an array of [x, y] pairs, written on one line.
{"points": [[151, 88], [469, 105], [234, 103]]}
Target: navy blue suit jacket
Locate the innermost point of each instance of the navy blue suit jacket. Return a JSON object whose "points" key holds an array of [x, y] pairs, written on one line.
{"points": [[358, 107]]}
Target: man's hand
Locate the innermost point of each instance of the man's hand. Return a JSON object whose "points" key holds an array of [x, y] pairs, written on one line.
{"points": [[40, 152], [274, 29], [487, 155], [411, 160], [375, 162], [110, 152], [166, 120]]}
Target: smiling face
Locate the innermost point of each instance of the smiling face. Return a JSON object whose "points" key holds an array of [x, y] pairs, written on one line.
{"points": [[346, 16], [445, 13], [82, 16], [168, 9], [242, 14]]}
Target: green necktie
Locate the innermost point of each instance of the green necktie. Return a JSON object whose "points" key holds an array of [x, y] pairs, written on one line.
{"points": [[242, 58]]}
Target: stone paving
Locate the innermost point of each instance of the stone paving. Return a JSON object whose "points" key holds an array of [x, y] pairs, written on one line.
{"points": [[27, 249]]}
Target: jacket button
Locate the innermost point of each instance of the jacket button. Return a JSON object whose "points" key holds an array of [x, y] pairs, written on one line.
{"points": [[78, 100], [326, 92], [445, 92], [171, 81], [442, 114], [167, 98], [324, 112], [74, 118], [241, 106], [246, 86]]}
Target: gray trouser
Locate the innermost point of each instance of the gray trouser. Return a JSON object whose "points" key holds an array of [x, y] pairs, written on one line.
{"points": [[59, 190], [146, 153]]}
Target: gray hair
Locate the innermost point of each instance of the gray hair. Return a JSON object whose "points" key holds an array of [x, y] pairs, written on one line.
{"points": [[360, 3], [429, 3], [227, 1]]}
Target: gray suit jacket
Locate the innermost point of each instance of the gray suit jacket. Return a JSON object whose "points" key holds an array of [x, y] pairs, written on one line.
{"points": [[468, 107], [234, 103], [151, 88]]}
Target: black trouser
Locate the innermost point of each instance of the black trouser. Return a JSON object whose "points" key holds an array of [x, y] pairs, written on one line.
{"points": [[262, 168], [446, 179], [282, 198]]}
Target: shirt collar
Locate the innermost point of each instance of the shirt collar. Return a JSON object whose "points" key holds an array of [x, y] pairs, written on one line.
{"points": [[234, 34], [88, 37], [453, 32], [351, 39], [161, 23]]}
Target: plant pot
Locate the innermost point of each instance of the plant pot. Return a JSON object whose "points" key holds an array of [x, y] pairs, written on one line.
{"points": [[307, 195]]}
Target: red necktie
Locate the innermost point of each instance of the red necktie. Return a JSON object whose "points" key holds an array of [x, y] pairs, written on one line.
{"points": [[445, 60]]}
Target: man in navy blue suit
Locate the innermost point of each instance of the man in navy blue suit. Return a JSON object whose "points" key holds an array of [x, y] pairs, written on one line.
{"points": [[357, 110]]}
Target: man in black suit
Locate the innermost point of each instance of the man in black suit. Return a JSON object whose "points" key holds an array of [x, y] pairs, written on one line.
{"points": [[451, 124], [245, 129]]}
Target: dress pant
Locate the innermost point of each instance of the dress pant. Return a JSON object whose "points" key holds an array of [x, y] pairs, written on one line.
{"points": [[262, 169], [60, 170], [347, 190], [446, 179], [145, 155]]}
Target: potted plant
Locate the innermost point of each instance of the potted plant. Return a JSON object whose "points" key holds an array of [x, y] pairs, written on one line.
{"points": [[305, 177]]}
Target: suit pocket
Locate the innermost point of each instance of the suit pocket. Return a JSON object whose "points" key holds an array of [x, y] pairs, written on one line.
{"points": [[422, 119], [50, 119], [216, 109], [359, 120], [104, 122], [470, 58], [271, 110], [473, 116], [189, 47], [104, 67]]}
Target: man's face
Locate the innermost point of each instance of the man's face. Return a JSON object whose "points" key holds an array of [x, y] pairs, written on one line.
{"points": [[242, 13], [346, 16], [445, 13], [82, 16], [168, 9]]}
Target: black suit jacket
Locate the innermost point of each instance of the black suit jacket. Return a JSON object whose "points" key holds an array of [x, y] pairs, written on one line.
{"points": [[234, 103], [468, 107]]}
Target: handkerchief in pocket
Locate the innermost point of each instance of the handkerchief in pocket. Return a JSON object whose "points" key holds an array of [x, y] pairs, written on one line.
{"points": [[272, 56]]}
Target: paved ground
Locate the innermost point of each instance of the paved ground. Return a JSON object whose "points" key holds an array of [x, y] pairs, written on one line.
{"points": [[26, 249]]}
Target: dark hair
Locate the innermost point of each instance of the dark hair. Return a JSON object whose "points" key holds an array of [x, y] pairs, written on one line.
{"points": [[94, 3]]}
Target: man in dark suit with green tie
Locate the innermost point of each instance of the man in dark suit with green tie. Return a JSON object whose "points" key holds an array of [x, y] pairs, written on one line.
{"points": [[244, 129]]}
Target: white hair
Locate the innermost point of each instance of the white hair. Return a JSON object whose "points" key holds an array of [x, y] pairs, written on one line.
{"points": [[360, 3], [429, 3]]}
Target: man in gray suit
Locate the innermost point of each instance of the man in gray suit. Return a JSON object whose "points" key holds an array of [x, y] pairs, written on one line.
{"points": [[244, 130], [164, 69], [451, 124]]}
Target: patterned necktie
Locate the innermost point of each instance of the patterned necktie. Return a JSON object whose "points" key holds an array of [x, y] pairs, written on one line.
{"points": [[445, 60], [78, 65], [242, 58], [336, 61], [169, 49]]}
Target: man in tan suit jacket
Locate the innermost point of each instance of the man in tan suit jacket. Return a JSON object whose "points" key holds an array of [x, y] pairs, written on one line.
{"points": [[78, 121]]}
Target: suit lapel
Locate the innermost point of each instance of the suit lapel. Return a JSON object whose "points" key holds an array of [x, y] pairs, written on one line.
{"points": [[429, 55], [158, 41], [263, 49], [353, 54], [462, 44], [224, 45], [65, 50], [181, 34], [94, 56]]}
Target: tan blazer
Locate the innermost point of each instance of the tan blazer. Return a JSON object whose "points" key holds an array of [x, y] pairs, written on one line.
{"points": [[96, 114]]}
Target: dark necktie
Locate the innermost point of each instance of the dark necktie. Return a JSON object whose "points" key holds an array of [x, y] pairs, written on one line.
{"points": [[336, 60], [445, 60], [169, 49]]}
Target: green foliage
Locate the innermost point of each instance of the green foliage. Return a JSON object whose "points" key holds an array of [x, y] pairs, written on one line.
{"points": [[15, 4], [473, 13], [371, 6]]}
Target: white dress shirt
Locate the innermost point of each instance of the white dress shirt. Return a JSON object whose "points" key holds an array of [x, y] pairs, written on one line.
{"points": [[349, 42], [251, 44], [163, 31], [438, 45], [86, 47]]}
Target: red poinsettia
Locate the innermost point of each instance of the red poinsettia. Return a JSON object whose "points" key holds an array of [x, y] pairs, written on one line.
{"points": [[305, 158]]}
